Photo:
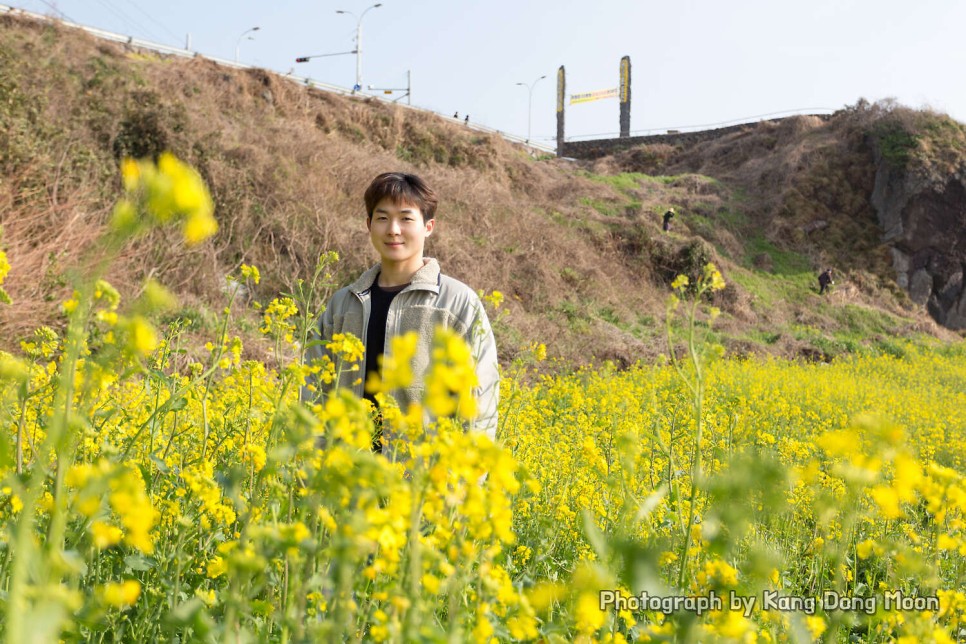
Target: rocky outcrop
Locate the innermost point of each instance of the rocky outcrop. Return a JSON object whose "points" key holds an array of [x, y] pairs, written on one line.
{"points": [[923, 217]]}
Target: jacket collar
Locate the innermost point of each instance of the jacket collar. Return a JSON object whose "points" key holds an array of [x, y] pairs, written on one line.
{"points": [[427, 278]]}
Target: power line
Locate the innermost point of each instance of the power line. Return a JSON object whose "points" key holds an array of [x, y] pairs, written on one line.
{"points": [[54, 8], [129, 22], [740, 119], [173, 35]]}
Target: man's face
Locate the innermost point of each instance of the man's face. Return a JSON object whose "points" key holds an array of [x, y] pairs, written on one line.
{"points": [[398, 232]]}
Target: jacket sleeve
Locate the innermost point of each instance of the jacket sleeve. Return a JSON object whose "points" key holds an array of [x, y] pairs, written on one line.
{"points": [[488, 373], [314, 352]]}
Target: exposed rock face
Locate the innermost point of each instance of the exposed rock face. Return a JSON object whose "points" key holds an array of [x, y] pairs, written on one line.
{"points": [[923, 217]]}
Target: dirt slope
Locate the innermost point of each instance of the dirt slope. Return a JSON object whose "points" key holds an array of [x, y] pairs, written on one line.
{"points": [[577, 250]]}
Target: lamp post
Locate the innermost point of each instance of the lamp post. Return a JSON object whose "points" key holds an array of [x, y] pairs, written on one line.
{"points": [[242, 37], [358, 85], [530, 102]]}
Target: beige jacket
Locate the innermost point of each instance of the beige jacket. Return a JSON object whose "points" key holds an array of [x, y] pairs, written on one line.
{"points": [[431, 299]]}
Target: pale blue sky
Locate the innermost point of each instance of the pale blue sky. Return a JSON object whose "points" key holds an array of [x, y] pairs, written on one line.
{"points": [[694, 61]]}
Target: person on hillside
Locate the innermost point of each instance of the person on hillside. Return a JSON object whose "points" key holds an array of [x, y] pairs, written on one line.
{"points": [[825, 281], [667, 219], [456, 115], [466, 121], [405, 291]]}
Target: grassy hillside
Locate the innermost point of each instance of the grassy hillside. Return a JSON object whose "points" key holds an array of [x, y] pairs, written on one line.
{"points": [[577, 250]]}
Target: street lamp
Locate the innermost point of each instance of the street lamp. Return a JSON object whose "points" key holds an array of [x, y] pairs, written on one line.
{"points": [[242, 37], [530, 102], [358, 85]]}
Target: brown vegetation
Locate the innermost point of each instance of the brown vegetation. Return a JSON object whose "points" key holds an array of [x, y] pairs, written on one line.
{"points": [[581, 259]]}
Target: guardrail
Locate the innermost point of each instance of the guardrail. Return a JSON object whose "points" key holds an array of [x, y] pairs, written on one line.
{"points": [[681, 129], [308, 82]]}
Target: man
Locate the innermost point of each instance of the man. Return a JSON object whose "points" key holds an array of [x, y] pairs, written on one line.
{"points": [[407, 292], [667, 219], [824, 281]]}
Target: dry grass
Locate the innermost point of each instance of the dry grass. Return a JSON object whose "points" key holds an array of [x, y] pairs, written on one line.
{"points": [[287, 167], [581, 260]]}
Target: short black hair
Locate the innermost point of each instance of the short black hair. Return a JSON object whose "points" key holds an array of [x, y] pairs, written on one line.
{"points": [[402, 188]]}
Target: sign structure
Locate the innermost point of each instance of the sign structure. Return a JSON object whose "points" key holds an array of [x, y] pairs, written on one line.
{"points": [[561, 93], [625, 96], [587, 97], [622, 92]]}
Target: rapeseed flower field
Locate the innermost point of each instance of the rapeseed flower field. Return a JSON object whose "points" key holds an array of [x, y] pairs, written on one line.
{"points": [[148, 495]]}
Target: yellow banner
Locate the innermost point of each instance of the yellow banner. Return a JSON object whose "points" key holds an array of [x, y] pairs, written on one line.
{"points": [[586, 97]]}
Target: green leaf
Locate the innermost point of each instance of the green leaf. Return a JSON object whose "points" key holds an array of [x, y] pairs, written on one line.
{"points": [[649, 504], [74, 562], [161, 465], [138, 563], [189, 614], [6, 458], [595, 537]]}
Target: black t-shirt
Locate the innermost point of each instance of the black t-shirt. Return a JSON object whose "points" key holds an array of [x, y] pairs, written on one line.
{"points": [[380, 298]]}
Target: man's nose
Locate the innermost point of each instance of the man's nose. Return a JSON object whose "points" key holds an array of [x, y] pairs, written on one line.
{"points": [[394, 226]]}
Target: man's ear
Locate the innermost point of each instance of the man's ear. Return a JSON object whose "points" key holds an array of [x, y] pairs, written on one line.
{"points": [[430, 225], [369, 223]]}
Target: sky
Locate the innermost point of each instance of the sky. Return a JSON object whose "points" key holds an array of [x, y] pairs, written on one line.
{"points": [[693, 62]]}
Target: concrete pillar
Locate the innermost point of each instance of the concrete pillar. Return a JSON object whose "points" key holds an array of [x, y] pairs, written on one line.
{"points": [[625, 96], [561, 93]]}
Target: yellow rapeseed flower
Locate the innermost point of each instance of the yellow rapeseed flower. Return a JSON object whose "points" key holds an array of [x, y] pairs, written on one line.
{"points": [[208, 597], [343, 345], [522, 627], [887, 499], [946, 542], [251, 272], [217, 567], [430, 583], [142, 339], [396, 366], [125, 216], [157, 298], [451, 378], [837, 443], [816, 625], [122, 595], [131, 503], [198, 227], [169, 191], [130, 174], [12, 368], [105, 535], [713, 277], [4, 269], [680, 282], [587, 614]]}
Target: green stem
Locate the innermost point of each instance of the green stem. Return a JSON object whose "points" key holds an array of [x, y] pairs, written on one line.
{"points": [[410, 620], [24, 549], [694, 384], [211, 371], [696, 469], [21, 422]]}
